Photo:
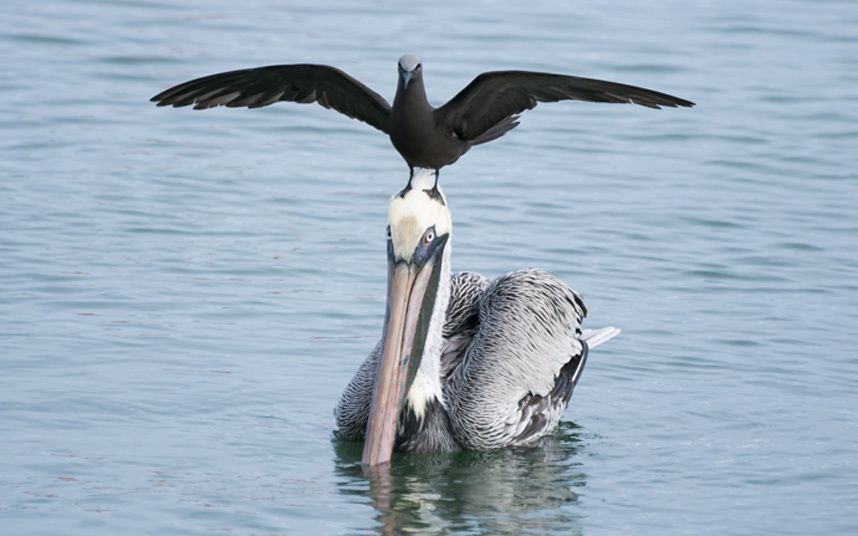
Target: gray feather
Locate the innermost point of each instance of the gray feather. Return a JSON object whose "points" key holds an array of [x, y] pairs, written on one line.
{"points": [[512, 352]]}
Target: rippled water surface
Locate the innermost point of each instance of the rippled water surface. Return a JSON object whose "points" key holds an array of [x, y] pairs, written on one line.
{"points": [[183, 295]]}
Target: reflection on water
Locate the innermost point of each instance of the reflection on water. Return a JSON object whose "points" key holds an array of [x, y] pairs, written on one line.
{"points": [[509, 491]]}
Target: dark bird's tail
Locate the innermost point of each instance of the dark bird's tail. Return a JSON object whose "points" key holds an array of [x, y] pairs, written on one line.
{"points": [[497, 131]]}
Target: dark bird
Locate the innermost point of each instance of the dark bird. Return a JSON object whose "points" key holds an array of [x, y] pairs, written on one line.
{"points": [[426, 137]]}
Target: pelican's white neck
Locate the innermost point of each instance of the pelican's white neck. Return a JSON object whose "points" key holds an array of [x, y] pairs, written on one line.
{"points": [[427, 382], [423, 179]]}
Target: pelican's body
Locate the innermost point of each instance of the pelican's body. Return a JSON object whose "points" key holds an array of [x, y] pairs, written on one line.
{"points": [[464, 362]]}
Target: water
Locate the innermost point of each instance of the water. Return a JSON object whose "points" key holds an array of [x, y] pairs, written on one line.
{"points": [[183, 295]]}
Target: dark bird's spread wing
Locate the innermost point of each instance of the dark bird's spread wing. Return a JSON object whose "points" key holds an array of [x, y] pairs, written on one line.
{"points": [[497, 96], [261, 86]]}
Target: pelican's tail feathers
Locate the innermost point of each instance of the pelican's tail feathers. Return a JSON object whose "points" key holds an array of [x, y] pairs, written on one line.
{"points": [[595, 337]]}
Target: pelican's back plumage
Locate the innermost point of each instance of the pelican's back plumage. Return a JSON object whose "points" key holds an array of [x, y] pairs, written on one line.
{"points": [[512, 353], [517, 374]]}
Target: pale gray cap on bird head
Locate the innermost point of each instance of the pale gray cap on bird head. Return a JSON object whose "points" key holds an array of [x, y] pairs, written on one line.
{"points": [[409, 62]]}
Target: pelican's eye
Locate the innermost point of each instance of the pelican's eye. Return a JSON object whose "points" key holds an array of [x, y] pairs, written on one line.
{"points": [[389, 235], [429, 236]]}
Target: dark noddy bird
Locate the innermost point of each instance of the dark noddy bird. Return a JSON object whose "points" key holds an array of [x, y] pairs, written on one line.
{"points": [[426, 137]]}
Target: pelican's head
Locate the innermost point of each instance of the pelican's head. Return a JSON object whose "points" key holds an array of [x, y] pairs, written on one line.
{"points": [[410, 69], [418, 234]]}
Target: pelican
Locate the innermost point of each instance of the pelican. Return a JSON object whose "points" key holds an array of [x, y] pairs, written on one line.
{"points": [[463, 362]]}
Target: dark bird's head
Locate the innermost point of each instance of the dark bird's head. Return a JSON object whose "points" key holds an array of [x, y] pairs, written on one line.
{"points": [[410, 69], [419, 227]]}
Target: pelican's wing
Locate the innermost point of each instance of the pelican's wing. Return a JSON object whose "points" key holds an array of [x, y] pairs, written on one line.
{"points": [[463, 319], [518, 372], [352, 411], [486, 108], [261, 86]]}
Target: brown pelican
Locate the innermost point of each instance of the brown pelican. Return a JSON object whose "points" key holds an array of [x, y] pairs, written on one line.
{"points": [[426, 137], [464, 362]]}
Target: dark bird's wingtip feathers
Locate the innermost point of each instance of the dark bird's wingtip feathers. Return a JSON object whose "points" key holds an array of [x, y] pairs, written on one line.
{"points": [[676, 102], [161, 99], [263, 86], [657, 100]]}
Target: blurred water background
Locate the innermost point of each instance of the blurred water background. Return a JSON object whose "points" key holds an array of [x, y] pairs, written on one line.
{"points": [[183, 295]]}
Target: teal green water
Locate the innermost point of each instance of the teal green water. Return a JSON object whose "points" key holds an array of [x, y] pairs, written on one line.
{"points": [[183, 295]]}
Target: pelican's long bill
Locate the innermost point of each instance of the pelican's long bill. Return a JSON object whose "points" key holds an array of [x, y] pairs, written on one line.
{"points": [[409, 308], [415, 262]]}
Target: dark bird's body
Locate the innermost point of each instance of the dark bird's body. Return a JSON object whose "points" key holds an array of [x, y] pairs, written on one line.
{"points": [[426, 137]]}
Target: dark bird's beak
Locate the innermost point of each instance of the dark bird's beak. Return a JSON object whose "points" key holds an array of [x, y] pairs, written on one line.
{"points": [[407, 76], [411, 292]]}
